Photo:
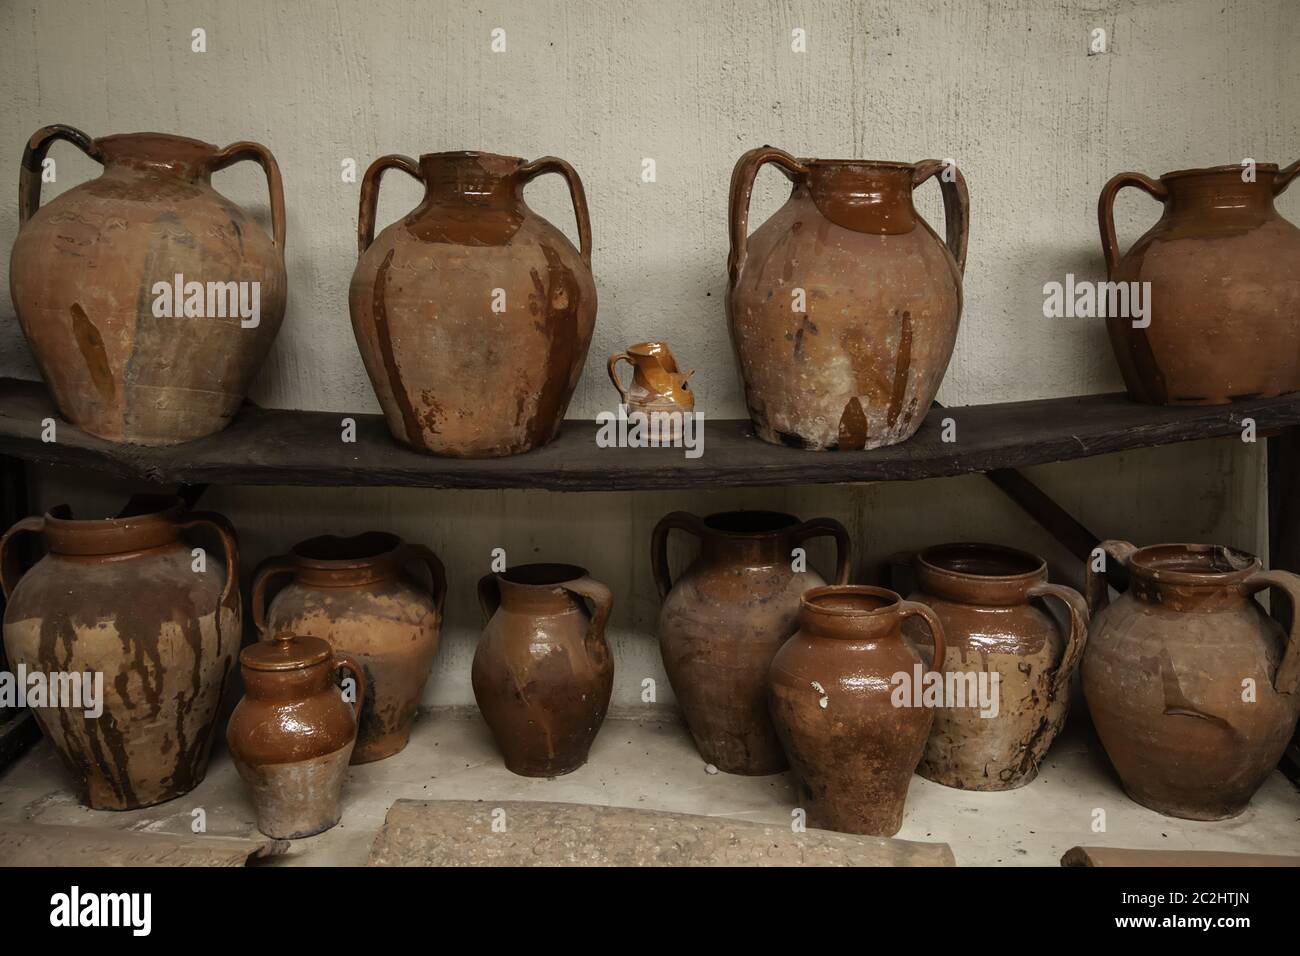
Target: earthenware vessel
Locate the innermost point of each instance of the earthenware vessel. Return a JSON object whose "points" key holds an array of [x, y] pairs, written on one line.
{"points": [[724, 619], [1224, 273], [657, 385], [358, 594], [988, 599], [473, 313], [852, 741], [292, 734], [843, 306], [1193, 689], [149, 300], [543, 673], [142, 601]]}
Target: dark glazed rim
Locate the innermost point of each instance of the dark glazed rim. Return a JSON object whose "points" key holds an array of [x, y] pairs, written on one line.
{"points": [[542, 574], [146, 521], [354, 551], [810, 600], [1226, 168], [726, 523], [1237, 565], [1035, 567], [472, 154], [873, 163]]}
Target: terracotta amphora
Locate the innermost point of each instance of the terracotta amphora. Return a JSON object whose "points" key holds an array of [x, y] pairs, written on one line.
{"points": [[1224, 293], [292, 734], [843, 306], [724, 619], [157, 615], [543, 672], [987, 597], [1193, 689], [358, 594], [657, 385], [473, 313], [149, 300], [833, 688]]}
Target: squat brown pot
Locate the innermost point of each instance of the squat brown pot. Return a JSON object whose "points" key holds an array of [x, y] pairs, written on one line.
{"points": [[844, 305], [121, 597], [292, 734], [852, 750], [1224, 269], [542, 672], [724, 619], [1193, 689], [473, 313], [87, 279], [986, 597], [356, 594]]}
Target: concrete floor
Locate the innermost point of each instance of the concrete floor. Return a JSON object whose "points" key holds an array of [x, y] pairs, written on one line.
{"points": [[652, 764]]}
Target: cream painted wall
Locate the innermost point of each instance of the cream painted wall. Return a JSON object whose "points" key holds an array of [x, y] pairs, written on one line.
{"points": [[1005, 88]]}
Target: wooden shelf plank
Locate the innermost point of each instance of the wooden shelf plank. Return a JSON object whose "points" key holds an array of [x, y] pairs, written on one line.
{"points": [[280, 447]]}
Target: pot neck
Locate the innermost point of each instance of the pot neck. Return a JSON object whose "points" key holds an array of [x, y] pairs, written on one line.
{"points": [[539, 588], [979, 574], [157, 154], [289, 685], [1220, 192], [330, 561], [850, 612], [862, 195], [749, 538], [147, 522], [480, 180], [1191, 577]]}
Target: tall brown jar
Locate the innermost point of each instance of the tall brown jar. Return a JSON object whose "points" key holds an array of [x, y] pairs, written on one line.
{"points": [[473, 313], [844, 305], [128, 597], [1224, 274], [1193, 689], [97, 273], [543, 673], [852, 750], [723, 621], [292, 734], [356, 594], [986, 597]]}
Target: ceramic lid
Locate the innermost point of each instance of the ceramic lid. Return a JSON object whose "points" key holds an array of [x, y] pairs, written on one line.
{"points": [[287, 652]]}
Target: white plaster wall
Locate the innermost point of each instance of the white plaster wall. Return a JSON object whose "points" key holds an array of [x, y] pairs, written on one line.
{"points": [[1005, 88]]}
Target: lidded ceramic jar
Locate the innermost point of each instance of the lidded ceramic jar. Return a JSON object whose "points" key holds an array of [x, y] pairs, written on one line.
{"points": [[292, 734], [358, 594], [724, 619], [1193, 689], [852, 747]]}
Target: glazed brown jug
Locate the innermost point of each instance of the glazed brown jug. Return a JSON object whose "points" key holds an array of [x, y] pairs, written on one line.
{"points": [[1224, 274], [1193, 689], [97, 272], [292, 734], [473, 313], [130, 598], [844, 305], [852, 750], [657, 385], [987, 598], [542, 672], [724, 619], [356, 594]]}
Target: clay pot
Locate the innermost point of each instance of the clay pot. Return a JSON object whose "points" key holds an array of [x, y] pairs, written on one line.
{"points": [[1193, 689], [852, 750], [292, 734], [986, 598], [844, 305], [473, 313], [92, 276], [657, 385], [122, 597], [723, 621], [355, 593], [542, 672], [1224, 269]]}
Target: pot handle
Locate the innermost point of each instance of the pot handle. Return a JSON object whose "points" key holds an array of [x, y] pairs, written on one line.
{"points": [[350, 663], [229, 544], [602, 600], [682, 521], [553, 164], [29, 176], [370, 193], [1285, 177], [742, 188], [437, 572], [819, 527], [1287, 679], [1106, 210], [10, 571], [237, 153], [269, 568], [613, 373], [1079, 618], [489, 596], [916, 609], [1094, 582], [956, 205]]}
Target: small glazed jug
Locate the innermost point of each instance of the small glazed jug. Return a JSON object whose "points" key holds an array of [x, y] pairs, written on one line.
{"points": [[657, 384], [543, 672], [832, 693], [292, 734]]}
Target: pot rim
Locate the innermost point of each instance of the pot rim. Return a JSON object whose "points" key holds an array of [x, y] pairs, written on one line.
{"points": [[470, 154], [1038, 566], [787, 523], [1225, 168], [810, 598], [543, 570], [1141, 562], [873, 163], [386, 543]]}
